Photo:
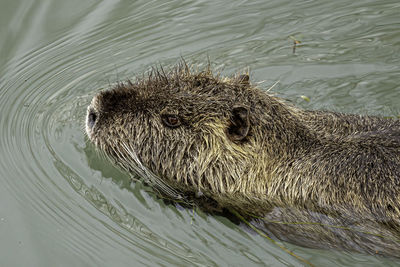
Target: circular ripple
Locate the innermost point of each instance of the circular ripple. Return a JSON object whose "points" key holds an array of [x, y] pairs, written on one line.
{"points": [[44, 105], [87, 208]]}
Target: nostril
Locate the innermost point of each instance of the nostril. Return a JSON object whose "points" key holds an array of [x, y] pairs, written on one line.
{"points": [[91, 118]]}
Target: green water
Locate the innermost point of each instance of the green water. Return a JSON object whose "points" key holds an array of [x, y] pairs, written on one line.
{"points": [[63, 205]]}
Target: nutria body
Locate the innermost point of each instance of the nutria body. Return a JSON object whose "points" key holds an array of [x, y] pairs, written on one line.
{"points": [[224, 141]]}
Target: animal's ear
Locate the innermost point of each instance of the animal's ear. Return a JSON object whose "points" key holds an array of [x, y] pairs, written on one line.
{"points": [[240, 123]]}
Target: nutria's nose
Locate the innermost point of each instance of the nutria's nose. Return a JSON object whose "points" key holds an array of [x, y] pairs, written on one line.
{"points": [[91, 118]]}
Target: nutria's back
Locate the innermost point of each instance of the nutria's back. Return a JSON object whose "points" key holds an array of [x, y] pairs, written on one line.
{"points": [[235, 146]]}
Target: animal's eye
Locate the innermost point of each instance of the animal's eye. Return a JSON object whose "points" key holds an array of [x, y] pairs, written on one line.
{"points": [[171, 120]]}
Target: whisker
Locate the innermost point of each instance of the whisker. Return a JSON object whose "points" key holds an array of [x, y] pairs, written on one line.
{"points": [[269, 89], [146, 174]]}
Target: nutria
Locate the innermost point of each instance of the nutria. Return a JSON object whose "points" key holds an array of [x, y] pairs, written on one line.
{"points": [[317, 178]]}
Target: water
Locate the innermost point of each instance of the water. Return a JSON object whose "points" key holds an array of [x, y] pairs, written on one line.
{"points": [[63, 205]]}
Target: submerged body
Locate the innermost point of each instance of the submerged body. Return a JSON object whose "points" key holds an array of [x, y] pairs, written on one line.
{"points": [[311, 177]]}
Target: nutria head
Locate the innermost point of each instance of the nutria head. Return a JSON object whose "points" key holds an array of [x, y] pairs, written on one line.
{"points": [[189, 131], [192, 131]]}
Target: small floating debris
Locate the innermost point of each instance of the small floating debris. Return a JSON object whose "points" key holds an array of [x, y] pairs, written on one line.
{"points": [[305, 98], [295, 43]]}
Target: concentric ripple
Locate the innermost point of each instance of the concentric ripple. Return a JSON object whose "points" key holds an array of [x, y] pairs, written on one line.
{"points": [[64, 203]]}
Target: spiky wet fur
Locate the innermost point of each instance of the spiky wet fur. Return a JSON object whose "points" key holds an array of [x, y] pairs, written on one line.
{"points": [[346, 167]]}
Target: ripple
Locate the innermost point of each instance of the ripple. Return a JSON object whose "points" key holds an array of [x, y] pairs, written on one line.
{"points": [[69, 195], [43, 118]]}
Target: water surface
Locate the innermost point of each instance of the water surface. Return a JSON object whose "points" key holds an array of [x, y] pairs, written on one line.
{"points": [[63, 205]]}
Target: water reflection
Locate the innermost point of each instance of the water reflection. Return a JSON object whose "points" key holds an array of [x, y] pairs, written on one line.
{"points": [[62, 203]]}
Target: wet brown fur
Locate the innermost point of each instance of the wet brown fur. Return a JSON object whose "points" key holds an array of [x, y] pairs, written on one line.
{"points": [[244, 148]]}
